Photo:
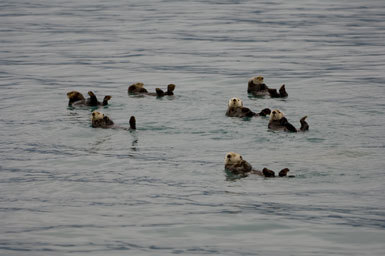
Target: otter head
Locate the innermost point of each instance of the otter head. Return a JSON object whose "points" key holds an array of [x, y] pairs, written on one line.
{"points": [[95, 116], [233, 158], [235, 103], [257, 79], [136, 88], [74, 96], [276, 114], [170, 87], [138, 85]]}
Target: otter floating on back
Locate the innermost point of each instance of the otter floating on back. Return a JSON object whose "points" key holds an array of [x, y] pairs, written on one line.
{"points": [[235, 164], [138, 89], [279, 122], [99, 120], [257, 87], [75, 98], [235, 109]]}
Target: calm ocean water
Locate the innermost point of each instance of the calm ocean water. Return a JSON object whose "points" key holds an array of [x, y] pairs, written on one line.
{"points": [[69, 189]]}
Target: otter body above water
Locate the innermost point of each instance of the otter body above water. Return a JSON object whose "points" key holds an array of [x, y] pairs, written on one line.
{"points": [[75, 98], [257, 87], [99, 120], [235, 109], [278, 122], [138, 89], [235, 164]]}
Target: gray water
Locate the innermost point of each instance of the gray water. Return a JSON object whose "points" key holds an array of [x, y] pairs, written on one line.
{"points": [[69, 189]]}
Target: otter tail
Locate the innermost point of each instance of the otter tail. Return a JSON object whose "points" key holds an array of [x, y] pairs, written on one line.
{"points": [[132, 123], [304, 124]]}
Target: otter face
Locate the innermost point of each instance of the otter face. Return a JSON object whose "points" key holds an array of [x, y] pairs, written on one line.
{"points": [[276, 114], [235, 102], [257, 79], [233, 158], [97, 116]]}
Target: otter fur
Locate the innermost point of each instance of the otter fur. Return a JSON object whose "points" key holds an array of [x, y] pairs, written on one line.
{"points": [[257, 87], [138, 89], [235, 109], [235, 164], [279, 122], [75, 98], [99, 120]]}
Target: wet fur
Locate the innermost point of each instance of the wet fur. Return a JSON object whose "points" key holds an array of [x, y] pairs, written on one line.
{"points": [[279, 122], [257, 87], [235, 164], [75, 98], [99, 120], [138, 89], [235, 109]]}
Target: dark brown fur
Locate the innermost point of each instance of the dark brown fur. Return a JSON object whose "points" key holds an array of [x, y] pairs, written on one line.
{"points": [[282, 92], [245, 112], [284, 125], [77, 99], [263, 89], [257, 89], [136, 89], [106, 122], [244, 169]]}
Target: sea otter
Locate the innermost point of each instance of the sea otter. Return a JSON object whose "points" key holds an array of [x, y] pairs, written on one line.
{"points": [[138, 89], [235, 164], [235, 109], [75, 98], [257, 87], [99, 120], [279, 122]]}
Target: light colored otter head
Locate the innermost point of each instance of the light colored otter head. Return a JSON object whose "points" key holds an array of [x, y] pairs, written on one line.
{"points": [[276, 114], [257, 79], [235, 102], [233, 158], [138, 85], [96, 116]]}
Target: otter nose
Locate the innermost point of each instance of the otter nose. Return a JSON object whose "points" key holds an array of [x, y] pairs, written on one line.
{"points": [[228, 156], [234, 100], [273, 112]]}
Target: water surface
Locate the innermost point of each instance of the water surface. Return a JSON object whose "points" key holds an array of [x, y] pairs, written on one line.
{"points": [[67, 188]]}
